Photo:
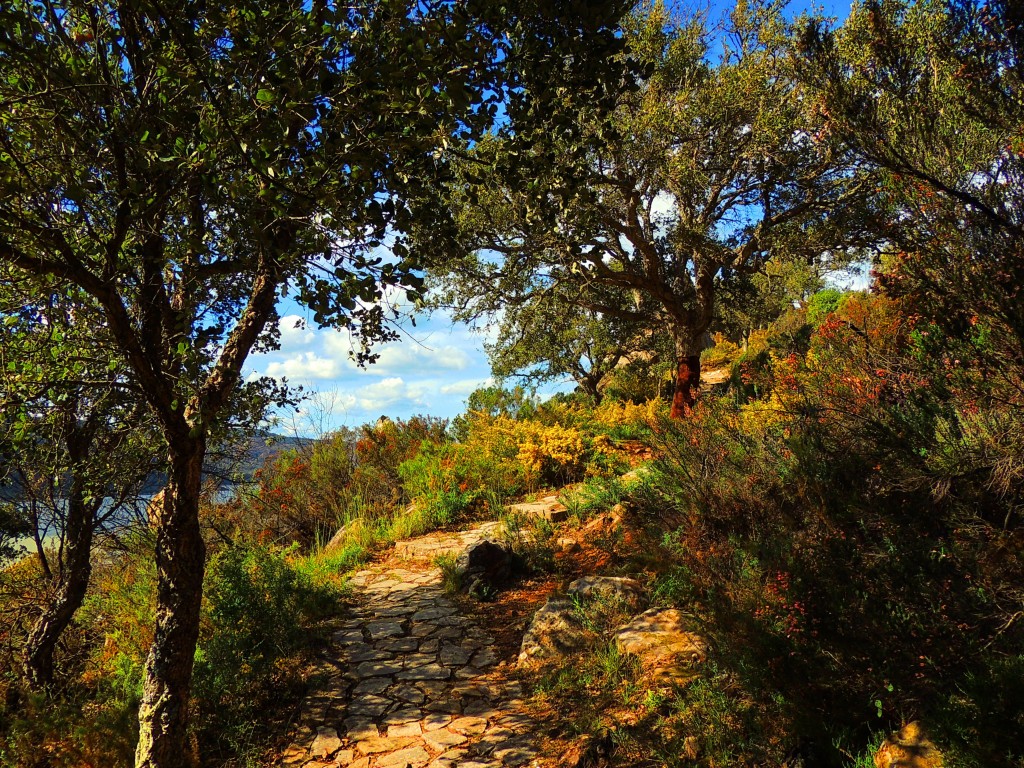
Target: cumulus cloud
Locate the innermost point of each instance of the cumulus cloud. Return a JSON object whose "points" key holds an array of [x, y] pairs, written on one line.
{"points": [[294, 332], [395, 358], [430, 370], [305, 365], [389, 393]]}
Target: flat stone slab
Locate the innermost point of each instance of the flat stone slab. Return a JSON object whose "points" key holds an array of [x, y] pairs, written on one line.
{"points": [[385, 744], [547, 507], [425, 672], [444, 739], [660, 633], [627, 591], [413, 756], [326, 742], [382, 629]]}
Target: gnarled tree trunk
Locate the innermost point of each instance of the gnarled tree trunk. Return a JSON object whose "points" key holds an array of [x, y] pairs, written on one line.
{"points": [[687, 353], [180, 561], [73, 578]]}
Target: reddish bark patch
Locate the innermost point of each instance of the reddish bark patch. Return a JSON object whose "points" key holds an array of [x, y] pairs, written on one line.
{"points": [[687, 382]]}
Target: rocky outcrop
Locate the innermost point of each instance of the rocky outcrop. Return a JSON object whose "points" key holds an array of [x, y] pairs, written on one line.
{"points": [[909, 747], [626, 592], [547, 507], [485, 567], [556, 628], [666, 647], [554, 631]]}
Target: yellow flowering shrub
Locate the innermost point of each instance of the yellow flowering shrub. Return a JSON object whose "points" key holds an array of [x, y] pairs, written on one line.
{"points": [[613, 414], [549, 451], [525, 452]]}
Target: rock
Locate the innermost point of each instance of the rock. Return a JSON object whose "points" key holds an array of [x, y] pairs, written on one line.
{"points": [[663, 643], [547, 507], [607, 523], [443, 739], [292, 757], [326, 743], [567, 544], [908, 748], [628, 592], [469, 726], [425, 672], [382, 629], [484, 567], [554, 631], [384, 744], [401, 731], [453, 758], [412, 756], [338, 539]]}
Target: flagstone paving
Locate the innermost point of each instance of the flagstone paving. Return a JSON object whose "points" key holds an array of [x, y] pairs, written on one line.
{"points": [[410, 682]]}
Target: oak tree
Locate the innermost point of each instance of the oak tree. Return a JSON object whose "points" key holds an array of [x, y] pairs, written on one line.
{"points": [[705, 167], [930, 98], [184, 166]]}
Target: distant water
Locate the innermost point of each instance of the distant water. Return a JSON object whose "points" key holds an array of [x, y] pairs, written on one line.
{"points": [[130, 512]]}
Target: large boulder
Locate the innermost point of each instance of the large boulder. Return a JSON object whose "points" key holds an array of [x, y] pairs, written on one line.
{"points": [[486, 566], [626, 592], [554, 631], [666, 647], [547, 507], [556, 628], [909, 747]]}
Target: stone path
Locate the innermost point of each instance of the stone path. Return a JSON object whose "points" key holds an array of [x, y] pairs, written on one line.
{"points": [[411, 682]]}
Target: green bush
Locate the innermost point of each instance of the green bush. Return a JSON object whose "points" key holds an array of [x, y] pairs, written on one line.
{"points": [[822, 304], [850, 540], [258, 611]]}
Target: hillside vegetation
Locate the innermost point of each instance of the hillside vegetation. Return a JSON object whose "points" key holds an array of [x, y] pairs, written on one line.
{"points": [[827, 483]]}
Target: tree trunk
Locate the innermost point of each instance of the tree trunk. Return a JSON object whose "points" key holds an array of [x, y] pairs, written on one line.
{"points": [[687, 376], [37, 659], [589, 385], [180, 560]]}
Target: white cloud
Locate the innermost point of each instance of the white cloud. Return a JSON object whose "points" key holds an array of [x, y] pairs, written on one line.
{"points": [[430, 370], [305, 365], [294, 332], [338, 343], [390, 392], [466, 386], [401, 357], [396, 358]]}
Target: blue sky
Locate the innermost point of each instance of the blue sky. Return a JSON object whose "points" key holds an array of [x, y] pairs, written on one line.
{"points": [[430, 370]]}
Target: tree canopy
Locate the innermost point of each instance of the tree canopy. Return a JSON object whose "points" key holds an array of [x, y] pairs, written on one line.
{"points": [[706, 167], [183, 167]]}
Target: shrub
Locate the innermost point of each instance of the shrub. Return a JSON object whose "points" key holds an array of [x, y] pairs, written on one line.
{"points": [[822, 304], [724, 352], [848, 538], [258, 611]]}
